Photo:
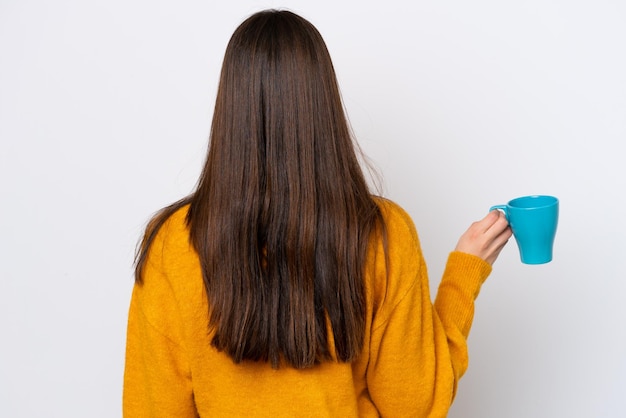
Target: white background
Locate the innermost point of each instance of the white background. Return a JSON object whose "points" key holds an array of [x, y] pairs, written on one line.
{"points": [[105, 109]]}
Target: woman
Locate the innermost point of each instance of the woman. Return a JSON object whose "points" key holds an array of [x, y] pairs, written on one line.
{"points": [[281, 287]]}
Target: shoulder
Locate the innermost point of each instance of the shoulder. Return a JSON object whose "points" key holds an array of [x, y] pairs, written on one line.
{"points": [[396, 267], [398, 223], [170, 256], [392, 212], [171, 249], [171, 259], [176, 222], [173, 233]]}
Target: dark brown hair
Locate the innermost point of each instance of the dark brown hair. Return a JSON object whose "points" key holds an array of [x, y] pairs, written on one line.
{"points": [[282, 214]]}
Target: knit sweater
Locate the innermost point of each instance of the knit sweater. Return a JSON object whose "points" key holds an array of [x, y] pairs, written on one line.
{"points": [[414, 354]]}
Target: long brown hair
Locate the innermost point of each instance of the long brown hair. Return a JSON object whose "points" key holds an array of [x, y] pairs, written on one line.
{"points": [[282, 214]]}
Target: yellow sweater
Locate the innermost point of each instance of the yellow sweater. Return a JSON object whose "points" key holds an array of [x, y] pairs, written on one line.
{"points": [[414, 352]]}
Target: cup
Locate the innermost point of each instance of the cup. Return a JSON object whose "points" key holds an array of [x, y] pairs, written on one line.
{"points": [[533, 220]]}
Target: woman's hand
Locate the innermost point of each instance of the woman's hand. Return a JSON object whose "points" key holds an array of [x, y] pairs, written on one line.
{"points": [[486, 238]]}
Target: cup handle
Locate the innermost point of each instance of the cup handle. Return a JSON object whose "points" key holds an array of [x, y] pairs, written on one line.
{"points": [[501, 208]]}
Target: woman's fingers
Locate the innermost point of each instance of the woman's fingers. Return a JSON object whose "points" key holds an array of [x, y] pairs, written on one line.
{"points": [[487, 237]]}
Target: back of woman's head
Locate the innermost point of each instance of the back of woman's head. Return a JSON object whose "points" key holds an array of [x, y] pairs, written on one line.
{"points": [[282, 214], [279, 104]]}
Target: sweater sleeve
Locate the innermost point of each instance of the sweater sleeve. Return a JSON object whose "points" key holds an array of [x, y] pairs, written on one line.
{"points": [[157, 379], [454, 304], [418, 349]]}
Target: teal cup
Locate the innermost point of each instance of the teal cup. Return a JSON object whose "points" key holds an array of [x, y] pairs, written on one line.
{"points": [[533, 220]]}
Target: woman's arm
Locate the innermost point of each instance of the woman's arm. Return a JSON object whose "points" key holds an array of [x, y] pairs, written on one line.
{"points": [[418, 350], [157, 379]]}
